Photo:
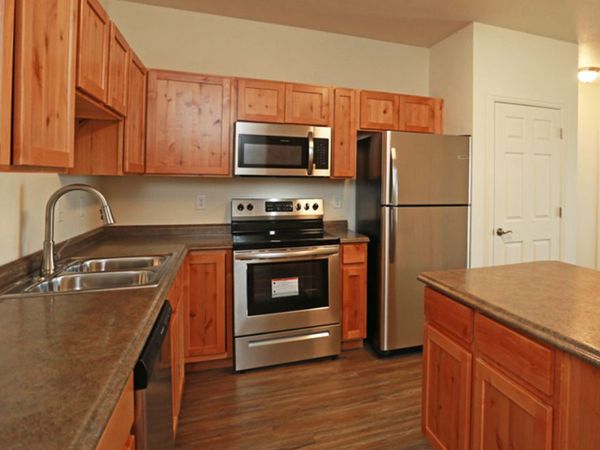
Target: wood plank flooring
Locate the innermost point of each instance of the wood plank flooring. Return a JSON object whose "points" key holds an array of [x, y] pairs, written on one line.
{"points": [[355, 402]]}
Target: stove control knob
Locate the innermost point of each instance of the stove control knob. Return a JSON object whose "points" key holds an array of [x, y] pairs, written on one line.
{"points": [[315, 206], [298, 206], [240, 207], [250, 207], [307, 207]]}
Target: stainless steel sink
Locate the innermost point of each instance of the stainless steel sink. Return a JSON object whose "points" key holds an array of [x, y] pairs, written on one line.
{"points": [[93, 281], [116, 264]]}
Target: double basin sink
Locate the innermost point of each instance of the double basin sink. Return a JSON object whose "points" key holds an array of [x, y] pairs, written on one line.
{"points": [[87, 274]]}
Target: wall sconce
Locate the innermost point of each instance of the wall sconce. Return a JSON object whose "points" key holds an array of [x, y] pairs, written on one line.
{"points": [[588, 74]]}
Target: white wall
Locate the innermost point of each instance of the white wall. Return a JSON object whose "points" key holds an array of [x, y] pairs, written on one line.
{"points": [[22, 202], [526, 68], [189, 41], [587, 174]]}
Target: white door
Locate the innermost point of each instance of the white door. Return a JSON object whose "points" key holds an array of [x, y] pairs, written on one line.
{"points": [[526, 183]]}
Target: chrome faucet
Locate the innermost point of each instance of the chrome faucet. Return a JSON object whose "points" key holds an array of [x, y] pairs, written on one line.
{"points": [[48, 266]]}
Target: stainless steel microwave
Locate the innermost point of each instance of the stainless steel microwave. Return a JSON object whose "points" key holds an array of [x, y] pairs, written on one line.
{"points": [[267, 149]]}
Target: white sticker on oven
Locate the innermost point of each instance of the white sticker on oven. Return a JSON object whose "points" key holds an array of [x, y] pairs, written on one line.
{"points": [[284, 287]]}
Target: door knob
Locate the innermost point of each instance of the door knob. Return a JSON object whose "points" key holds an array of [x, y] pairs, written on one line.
{"points": [[501, 232]]}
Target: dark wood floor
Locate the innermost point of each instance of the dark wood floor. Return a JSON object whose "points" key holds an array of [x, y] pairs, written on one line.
{"points": [[355, 402]]}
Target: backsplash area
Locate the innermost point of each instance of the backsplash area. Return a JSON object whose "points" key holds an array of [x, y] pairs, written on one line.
{"points": [[172, 200]]}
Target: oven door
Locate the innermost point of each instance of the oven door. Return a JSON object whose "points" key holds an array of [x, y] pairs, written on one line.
{"points": [[281, 150], [284, 289]]}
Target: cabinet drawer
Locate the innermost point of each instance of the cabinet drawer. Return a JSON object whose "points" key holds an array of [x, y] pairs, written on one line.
{"points": [[518, 355], [354, 253], [449, 315]]}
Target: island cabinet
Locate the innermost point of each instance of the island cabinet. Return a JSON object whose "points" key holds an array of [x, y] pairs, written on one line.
{"points": [[209, 318], [117, 434], [486, 386], [279, 102], [44, 82], [354, 294], [7, 21], [178, 298], [188, 124]]}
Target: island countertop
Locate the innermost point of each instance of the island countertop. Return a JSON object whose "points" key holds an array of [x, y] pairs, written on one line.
{"points": [[554, 302]]}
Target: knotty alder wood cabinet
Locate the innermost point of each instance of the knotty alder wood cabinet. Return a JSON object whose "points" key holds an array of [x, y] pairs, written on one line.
{"points": [[118, 62], [488, 386], [44, 82], [118, 435], [134, 156], [345, 120], [279, 102], [210, 306], [188, 124], [7, 21], [354, 294]]}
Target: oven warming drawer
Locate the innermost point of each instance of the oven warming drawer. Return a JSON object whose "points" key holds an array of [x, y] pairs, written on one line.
{"points": [[288, 346]]}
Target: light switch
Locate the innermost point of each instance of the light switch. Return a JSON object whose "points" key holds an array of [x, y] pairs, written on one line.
{"points": [[337, 201], [200, 201]]}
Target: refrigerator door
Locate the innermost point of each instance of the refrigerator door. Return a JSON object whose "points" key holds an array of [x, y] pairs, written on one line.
{"points": [[417, 239], [426, 169]]}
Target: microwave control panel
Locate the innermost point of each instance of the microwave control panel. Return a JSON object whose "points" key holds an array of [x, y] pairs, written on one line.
{"points": [[321, 153]]}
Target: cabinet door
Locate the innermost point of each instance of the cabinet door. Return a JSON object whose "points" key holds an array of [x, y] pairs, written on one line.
{"points": [[506, 415], [118, 62], [7, 21], [44, 83], [134, 155], [354, 302], [306, 104], [175, 369], [92, 52], [207, 305], [378, 110], [417, 114], [260, 101], [344, 134], [446, 391], [188, 124]]}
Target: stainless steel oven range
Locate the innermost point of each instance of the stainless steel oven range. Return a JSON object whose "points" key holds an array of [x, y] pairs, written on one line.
{"points": [[286, 282]]}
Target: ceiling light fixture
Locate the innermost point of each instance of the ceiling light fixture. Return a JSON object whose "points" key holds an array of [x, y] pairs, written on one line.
{"points": [[588, 74]]}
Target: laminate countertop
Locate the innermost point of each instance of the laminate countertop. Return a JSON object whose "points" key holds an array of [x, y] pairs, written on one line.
{"points": [[64, 359], [555, 302]]}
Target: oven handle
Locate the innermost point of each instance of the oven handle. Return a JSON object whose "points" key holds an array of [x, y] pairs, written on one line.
{"points": [[284, 340], [286, 255], [311, 153]]}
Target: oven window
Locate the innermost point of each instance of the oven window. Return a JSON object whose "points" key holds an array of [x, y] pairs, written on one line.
{"points": [[293, 286], [272, 152]]}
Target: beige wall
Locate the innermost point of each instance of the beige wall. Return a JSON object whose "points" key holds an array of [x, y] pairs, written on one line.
{"points": [[22, 203], [188, 41]]}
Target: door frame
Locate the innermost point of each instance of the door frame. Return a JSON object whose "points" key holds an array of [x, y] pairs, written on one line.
{"points": [[490, 169]]}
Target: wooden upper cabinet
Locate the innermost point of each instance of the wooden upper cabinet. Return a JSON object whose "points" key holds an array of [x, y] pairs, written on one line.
{"points": [[188, 124], [260, 101], [508, 416], [417, 114], [92, 53], [307, 104], [44, 82], [134, 155], [118, 62], [207, 304], [7, 21], [344, 133], [378, 110], [446, 414]]}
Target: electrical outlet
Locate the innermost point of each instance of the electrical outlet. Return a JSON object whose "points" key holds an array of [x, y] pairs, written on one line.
{"points": [[337, 201], [200, 201]]}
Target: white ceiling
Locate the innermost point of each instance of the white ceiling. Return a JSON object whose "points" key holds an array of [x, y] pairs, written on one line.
{"points": [[413, 22]]}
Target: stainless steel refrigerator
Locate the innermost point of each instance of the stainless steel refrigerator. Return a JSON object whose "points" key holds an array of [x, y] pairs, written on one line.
{"points": [[413, 201]]}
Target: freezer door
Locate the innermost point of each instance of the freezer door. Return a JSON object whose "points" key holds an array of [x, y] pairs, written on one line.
{"points": [[419, 239], [427, 169]]}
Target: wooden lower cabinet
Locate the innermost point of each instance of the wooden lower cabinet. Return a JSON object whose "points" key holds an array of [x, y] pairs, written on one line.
{"points": [[178, 299], [446, 391], [506, 415], [209, 310], [354, 294], [117, 434]]}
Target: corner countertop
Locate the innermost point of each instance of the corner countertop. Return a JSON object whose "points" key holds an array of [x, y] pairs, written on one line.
{"points": [[64, 359], [555, 302]]}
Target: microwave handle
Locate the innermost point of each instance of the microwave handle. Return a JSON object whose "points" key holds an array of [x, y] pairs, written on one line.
{"points": [[311, 153]]}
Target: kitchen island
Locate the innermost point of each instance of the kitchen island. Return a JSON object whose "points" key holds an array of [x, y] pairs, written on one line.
{"points": [[512, 357]]}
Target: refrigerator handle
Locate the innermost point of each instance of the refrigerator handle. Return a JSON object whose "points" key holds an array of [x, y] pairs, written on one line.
{"points": [[392, 236], [385, 168], [385, 271], [394, 177]]}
